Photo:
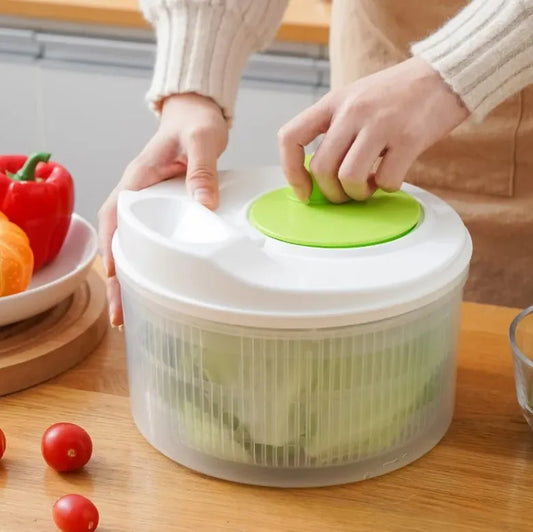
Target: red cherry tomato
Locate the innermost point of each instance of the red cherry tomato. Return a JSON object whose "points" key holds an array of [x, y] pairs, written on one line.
{"points": [[2, 443], [66, 447], [75, 513]]}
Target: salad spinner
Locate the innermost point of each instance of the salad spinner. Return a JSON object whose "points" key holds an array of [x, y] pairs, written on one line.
{"points": [[286, 344]]}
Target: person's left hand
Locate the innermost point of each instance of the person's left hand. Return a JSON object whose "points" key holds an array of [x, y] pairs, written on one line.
{"points": [[395, 114]]}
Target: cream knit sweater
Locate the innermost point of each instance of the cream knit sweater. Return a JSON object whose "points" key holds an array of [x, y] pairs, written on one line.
{"points": [[485, 53]]}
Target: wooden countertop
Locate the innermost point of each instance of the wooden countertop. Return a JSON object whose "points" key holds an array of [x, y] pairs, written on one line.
{"points": [[304, 21], [477, 479]]}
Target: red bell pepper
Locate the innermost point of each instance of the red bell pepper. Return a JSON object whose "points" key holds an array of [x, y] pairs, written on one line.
{"points": [[38, 196]]}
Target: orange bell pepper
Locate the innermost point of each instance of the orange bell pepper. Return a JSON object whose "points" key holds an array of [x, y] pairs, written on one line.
{"points": [[16, 258]]}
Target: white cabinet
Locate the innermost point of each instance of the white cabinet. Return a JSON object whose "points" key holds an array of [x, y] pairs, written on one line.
{"points": [[95, 122], [94, 114], [262, 108], [275, 88], [20, 112]]}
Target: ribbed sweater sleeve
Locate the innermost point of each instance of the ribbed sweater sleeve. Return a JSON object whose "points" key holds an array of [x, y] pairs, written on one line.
{"points": [[203, 45], [485, 53]]}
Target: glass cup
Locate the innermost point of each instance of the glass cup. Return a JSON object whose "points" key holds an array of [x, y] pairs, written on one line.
{"points": [[521, 337]]}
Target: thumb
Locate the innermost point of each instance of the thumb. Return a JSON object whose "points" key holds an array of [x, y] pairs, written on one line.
{"points": [[201, 177]]}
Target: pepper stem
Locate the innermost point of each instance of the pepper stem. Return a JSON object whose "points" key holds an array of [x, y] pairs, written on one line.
{"points": [[27, 172]]}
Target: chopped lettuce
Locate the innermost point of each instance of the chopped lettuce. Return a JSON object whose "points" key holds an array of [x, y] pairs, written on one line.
{"points": [[210, 434], [293, 402]]}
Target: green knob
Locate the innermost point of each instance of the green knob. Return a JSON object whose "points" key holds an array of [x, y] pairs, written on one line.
{"points": [[316, 197]]}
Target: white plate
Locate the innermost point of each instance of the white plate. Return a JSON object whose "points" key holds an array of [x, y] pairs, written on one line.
{"points": [[56, 281]]}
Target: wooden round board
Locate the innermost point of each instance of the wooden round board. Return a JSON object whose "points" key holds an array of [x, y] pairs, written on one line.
{"points": [[39, 348]]}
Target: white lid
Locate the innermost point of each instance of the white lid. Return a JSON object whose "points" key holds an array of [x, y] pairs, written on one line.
{"points": [[217, 266]]}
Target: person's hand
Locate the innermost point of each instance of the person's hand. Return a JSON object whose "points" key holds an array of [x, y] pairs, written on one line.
{"points": [[191, 137], [395, 114]]}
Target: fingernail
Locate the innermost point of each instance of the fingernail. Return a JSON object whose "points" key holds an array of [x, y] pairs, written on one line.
{"points": [[301, 193], [108, 268], [113, 317], [121, 328], [202, 195]]}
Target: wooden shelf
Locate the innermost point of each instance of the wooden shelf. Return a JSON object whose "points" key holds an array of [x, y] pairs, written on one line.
{"points": [[305, 21]]}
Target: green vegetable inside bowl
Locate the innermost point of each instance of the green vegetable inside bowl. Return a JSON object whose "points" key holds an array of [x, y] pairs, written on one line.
{"points": [[294, 402]]}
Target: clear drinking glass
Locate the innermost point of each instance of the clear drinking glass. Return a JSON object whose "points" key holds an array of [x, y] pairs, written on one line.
{"points": [[521, 337]]}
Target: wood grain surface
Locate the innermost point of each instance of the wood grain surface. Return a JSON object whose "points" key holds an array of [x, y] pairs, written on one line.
{"points": [[479, 478], [37, 349], [304, 20]]}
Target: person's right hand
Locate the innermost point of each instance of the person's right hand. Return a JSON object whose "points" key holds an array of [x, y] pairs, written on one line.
{"points": [[385, 120], [192, 135]]}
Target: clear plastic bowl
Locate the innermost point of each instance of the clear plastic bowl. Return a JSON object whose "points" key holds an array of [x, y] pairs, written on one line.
{"points": [[521, 337], [291, 408]]}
